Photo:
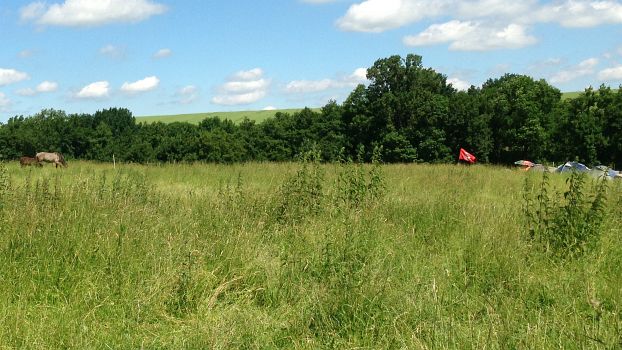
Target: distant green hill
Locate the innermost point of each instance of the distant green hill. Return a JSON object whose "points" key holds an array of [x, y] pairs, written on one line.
{"points": [[575, 94], [569, 95], [236, 117]]}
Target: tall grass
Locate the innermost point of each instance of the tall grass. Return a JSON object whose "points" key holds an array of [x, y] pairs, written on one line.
{"points": [[277, 256]]}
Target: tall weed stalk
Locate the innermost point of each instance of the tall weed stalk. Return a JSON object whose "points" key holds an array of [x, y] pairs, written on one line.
{"points": [[566, 225]]}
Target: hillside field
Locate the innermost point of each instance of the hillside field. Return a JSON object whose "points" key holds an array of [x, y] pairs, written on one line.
{"points": [[295, 256], [236, 117]]}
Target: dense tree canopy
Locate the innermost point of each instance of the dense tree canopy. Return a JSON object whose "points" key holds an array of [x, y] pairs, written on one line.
{"points": [[411, 112]]}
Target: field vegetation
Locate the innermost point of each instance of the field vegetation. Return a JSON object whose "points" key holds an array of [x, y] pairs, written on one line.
{"points": [[305, 255]]}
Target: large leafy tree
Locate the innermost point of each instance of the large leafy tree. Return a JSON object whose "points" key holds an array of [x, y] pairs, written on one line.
{"points": [[404, 107], [521, 110]]}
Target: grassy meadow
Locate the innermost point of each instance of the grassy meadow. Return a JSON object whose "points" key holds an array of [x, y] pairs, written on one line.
{"points": [[303, 256], [196, 118]]}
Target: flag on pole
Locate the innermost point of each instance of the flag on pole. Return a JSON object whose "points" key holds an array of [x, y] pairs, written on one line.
{"points": [[467, 157]]}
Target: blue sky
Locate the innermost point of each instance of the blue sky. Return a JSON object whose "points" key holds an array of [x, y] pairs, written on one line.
{"points": [[189, 56]]}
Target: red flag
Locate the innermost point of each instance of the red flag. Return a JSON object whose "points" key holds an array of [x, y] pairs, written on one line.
{"points": [[467, 157]]}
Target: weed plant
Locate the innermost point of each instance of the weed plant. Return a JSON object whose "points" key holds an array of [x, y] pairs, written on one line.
{"points": [[568, 225]]}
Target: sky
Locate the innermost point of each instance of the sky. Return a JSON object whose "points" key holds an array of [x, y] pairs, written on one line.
{"points": [[159, 57]]}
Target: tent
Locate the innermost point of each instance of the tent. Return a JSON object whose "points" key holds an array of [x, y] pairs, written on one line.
{"points": [[572, 166], [605, 171]]}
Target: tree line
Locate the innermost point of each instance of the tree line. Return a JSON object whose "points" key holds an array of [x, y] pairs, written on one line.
{"points": [[408, 111]]}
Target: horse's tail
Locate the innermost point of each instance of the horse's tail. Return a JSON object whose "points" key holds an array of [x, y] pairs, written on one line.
{"points": [[61, 159]]}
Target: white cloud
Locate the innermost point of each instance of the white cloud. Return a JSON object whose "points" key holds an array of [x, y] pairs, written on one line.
{"points": [[609, 74], [43, 87], [26, 92], [580, 13], [162, 53], [143, 85], [307, 86], [247, 75], [473, 36], [90, 12], [492, 24], [98, 89], [47, 86], [5, 103], [32, 11], [187, 94], [381, 15], [239, 99], [244, 87], [10, 76], [584, 68], [359, 76], [269, 108], [311, 86], [441, 33], [489, 8], [459, 84]]}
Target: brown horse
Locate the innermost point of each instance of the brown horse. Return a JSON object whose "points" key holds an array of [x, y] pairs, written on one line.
{"points": [[49, 157], [28, 161]]}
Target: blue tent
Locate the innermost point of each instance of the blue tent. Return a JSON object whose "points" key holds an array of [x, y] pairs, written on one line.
{"points": [[572, 166]]}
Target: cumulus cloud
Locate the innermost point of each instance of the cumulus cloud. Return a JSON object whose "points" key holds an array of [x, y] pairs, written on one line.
{"points": [[98, 89], [143, 85], [43, 87], [269, 108], [5, 103], [459, 84], [381, 15], [311, 86], [472, 36], [47, 86], [441, 33], [244, 87], [10, 76], [584, 68], [609, 74], [90, 13], [162, 53]]}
